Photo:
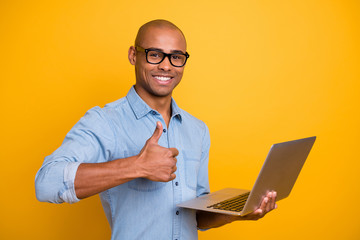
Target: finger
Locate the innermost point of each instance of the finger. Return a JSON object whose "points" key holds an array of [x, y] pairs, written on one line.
{"points": [[273, 200], [157, 133], [257, 214], [268, 205], [174, 152], [172, 176], [174, 169], [264, 203]]}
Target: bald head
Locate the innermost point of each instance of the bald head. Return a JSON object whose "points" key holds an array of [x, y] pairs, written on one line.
{"points": [[159, 24], [157, 80]]}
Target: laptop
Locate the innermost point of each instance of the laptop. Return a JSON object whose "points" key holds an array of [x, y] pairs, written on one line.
{"points": [[278, 173]]}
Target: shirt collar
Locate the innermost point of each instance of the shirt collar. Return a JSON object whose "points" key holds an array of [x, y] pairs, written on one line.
{"points": [[140, 108], [176, 111]]}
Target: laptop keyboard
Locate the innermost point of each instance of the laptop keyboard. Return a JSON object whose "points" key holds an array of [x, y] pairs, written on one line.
{"points": [[235, 204]]}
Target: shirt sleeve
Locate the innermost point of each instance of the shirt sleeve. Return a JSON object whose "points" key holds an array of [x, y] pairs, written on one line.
{"points": [[91, 140], [203, 186]]}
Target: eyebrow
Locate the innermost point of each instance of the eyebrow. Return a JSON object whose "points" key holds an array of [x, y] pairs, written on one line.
{"points": [[172, 51]]}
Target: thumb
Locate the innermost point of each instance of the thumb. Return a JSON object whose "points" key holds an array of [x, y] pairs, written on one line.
{"points": [[157, 133]]}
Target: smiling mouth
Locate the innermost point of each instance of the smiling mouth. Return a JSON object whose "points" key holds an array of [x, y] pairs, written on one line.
{"points": [[163, 78]]}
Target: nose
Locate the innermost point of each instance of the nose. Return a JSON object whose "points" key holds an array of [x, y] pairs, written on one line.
{"points": [[165, 65]]}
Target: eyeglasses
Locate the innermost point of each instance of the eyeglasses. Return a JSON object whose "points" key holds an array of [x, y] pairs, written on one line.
{"points": [[154, 56]]}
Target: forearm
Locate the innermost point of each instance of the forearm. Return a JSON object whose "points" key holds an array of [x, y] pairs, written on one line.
{"points": [[61, 179], [93, 178], [213, 220]]}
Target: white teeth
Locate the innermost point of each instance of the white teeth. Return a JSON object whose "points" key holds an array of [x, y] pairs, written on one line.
{"points": [[162, 78]]}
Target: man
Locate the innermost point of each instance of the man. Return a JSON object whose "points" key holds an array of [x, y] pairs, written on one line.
{"points": [[141, 173]]}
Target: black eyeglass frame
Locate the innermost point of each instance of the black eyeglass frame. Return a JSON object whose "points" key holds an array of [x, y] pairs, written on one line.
{"points": [[168, 55]]}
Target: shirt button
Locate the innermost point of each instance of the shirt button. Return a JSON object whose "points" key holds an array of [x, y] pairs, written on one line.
{"points": [[153, 112], [164, 130], [176, 184], [177, 212]]}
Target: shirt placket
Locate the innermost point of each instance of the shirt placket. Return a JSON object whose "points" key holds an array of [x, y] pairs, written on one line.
{"points": [[175, 183]]}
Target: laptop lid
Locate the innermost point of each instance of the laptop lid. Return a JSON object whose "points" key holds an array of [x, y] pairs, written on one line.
{"points": [[280, 170]]}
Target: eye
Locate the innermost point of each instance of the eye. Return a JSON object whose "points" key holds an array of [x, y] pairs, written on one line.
{"points": [[177, 57], [155, 54]]}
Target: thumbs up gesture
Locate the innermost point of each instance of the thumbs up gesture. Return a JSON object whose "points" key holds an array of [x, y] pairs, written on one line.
{"points": [[157, 163]]}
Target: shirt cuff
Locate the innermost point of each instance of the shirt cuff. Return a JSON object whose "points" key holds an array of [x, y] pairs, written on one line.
{"points": [[69, 194]]}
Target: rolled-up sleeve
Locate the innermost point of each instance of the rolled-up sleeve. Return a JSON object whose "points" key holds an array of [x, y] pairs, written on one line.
{"points": [[91, 140]]}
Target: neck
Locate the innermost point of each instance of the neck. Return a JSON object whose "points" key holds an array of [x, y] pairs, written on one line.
{"points": [[162, 104]]}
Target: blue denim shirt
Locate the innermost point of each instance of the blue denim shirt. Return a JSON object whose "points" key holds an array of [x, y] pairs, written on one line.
{"points": [[138, 209]]}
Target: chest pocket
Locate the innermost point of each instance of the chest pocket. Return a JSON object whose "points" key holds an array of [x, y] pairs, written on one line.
{"points": [[145, 185], [192, 164], [142, 184]]}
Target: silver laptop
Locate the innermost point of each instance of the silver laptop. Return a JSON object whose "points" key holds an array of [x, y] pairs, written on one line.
{"points": [[279, 173]]}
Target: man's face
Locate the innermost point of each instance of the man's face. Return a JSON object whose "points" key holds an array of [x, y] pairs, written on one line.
{"points": [[158, 80]]}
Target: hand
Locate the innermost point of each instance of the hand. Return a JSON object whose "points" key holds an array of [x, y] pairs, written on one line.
{"points": [[157, 163], [268, 204], [212, 220]]}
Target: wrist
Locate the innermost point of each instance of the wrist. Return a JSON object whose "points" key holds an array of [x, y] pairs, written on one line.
{"points": [[137, 166], [126, 168], [231, 218]]}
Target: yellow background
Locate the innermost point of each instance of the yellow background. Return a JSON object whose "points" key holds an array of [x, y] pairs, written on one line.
{"points": [[260, 72]]}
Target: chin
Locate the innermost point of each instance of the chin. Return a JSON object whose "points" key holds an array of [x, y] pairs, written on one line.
{"points": [[162, 94], [162, 91]]}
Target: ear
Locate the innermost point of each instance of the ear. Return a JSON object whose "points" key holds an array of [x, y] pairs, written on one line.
{"points": [[132, 55]]}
